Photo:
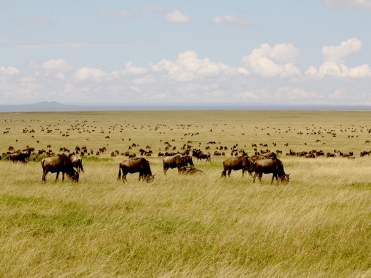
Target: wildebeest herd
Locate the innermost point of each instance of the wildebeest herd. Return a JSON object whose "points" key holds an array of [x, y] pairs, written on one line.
{"points": [[262, 161], [71, 165]]}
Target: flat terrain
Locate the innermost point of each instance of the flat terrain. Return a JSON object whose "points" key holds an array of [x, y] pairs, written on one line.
{"points": [[319, 225]]}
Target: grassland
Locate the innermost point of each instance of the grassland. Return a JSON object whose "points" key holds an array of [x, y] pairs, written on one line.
{"points": [[319, 225]]}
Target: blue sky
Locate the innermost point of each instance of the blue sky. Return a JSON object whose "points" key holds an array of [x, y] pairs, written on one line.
{"points": [[186, 52]]}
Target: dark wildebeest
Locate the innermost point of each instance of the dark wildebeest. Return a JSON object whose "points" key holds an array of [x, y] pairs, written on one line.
{"points": [[200, 155], [59, 163], [190, 171], [76, 162], [237, 163], [176, 161], [135, 165], [270, 166], [21, 156]]}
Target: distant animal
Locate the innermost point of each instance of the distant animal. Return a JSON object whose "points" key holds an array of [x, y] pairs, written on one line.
{"points": [[184, 170], [21, 156], [57, 164], [136, 165], [76, 162], [237, 163], [176, 161], [273, 166], [200, 155]]}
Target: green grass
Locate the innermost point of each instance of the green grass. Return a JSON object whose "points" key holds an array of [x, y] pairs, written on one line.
{"points": [[181, 226]]}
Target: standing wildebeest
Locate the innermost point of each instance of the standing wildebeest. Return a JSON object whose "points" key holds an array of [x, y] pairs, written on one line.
{"points": [[21, 156], [267, 166], [200, 155], [59, 163], [176, 161], [135, 165], [237, 163], [76, 162]]}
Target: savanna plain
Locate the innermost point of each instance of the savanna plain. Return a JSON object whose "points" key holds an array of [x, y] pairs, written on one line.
{"points": [[318, 225]]}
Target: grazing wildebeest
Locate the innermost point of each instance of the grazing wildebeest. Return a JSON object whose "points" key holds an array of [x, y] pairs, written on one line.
{"points": [[237, 163], [200, 155], [270, 166], [135, 165], [176, 161], [190, 171], [59, 163], [21, 156], [76, 162], [269, 155]]}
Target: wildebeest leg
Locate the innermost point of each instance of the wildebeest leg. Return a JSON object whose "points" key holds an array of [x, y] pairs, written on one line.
{"points": [[223, 174], [243, 172], [44, 175], [56, 177], [229, 173], [260, 177], [274, 176], [253, 179], [165, 170], [62, 176]]}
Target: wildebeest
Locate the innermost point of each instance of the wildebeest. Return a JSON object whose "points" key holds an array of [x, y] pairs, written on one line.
{"points": [[270, 166], [135, 165], [200, 155], [76, 162], [237, 163], [59, 163], [176, 161], [21, 156], [190, 171]]}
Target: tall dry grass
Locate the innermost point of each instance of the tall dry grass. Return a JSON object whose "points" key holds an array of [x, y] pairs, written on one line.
{"points": [[180, 226]]}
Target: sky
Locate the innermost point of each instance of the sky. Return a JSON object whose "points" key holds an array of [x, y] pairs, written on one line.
{"points": [[186, 52]]}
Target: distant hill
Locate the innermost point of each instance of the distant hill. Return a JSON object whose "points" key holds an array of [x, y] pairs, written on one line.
{"points": [[53, 106]]}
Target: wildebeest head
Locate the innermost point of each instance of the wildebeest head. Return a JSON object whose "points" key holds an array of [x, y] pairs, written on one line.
{"points": [[285, 179], [149, 178], [188, 160], [73, 175]]}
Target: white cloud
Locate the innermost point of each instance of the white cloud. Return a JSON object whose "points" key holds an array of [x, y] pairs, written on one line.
{"points": [[294, 93], [93, 74], [56, 64], [9, 70], [342, 71], [189, 67], [338, 93], [217, 93], [247, 95], [336, 53], [334, 65], [135, 89], [353, 4], [261, 60], [123, 14], [129, 69], [230, 20], [311, 72], [144, 80], [177, 17]]}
